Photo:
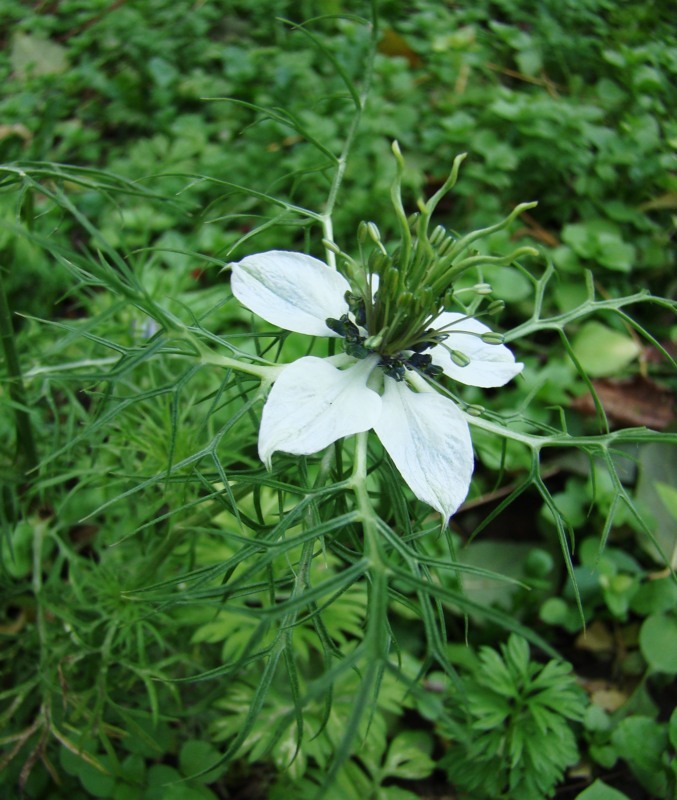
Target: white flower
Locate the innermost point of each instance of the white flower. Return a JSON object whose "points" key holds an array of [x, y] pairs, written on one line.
{"points": [[316, 401]]}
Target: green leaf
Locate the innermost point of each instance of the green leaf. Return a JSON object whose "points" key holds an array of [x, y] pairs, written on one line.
{"points": [[641, 741], [600, 791], [603, 351], [97, 783], [408, 756], [668, 494], [658, 642], [37, 56], [197, 756], [658, 465]]}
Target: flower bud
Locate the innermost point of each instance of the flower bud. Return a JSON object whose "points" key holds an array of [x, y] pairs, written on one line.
{"points": [[329, 245], [475, 410], [482, 288]]}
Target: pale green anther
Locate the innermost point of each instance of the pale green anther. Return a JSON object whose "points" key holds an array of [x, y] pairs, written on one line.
{"points": [[475, 410], [445, 247], [424, 299], [460, 359], [496, 307], [378, 263], [374, 232], [405, 299], [329, 245], [412, 221], [491, 337], [390, 278], [362, 232], [482, 288], [438, 235], [374, 342]]}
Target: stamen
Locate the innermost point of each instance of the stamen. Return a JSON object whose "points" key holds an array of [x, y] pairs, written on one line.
{"points": [[460, 359]]}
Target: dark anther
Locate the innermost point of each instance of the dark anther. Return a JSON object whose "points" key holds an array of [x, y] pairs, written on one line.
{"points": [[392, 367], [356, 306], [336, 325], [419, 361], [356, 349], [352, 331], [433, 371]]}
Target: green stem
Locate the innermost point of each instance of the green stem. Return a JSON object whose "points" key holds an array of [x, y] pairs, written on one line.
{"points": [[326, 216], [25, 442]]}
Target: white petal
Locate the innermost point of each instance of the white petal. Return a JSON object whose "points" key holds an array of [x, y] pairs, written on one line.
{"points": [[427, 437], [490, 364], [291, 290], [312, 404]]}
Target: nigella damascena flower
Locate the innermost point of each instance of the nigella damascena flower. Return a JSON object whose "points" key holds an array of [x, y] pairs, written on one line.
{"points": [[316, 401]]}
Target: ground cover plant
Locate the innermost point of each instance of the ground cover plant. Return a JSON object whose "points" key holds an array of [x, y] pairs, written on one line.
{"points": [[332, 464]]}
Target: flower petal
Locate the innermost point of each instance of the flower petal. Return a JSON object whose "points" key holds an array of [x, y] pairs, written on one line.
{"points": [[291, 290], [312, 404], [427, 437], [490, 364]]}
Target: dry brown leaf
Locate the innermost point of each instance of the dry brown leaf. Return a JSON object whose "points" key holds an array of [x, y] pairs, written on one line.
{"points": [[630, 402]]}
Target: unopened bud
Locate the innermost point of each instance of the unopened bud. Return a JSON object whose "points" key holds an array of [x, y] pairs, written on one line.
{"points": [[329, 245], [475, 410], [482, 288], [460, 359], [491, 337]]}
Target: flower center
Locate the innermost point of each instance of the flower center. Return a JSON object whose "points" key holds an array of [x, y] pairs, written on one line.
{"points": [[360, 345]]}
